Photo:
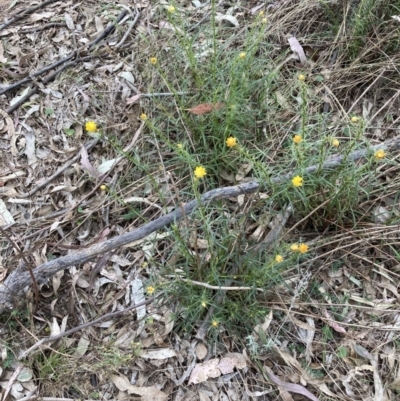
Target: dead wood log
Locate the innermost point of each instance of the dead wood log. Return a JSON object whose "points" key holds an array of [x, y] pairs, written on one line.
{"points": [[20, 278]]}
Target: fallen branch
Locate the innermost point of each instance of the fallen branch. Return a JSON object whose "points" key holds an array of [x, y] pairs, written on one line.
{"points": [[27, 11], [108, 29], [46, 80], [19, 279]]}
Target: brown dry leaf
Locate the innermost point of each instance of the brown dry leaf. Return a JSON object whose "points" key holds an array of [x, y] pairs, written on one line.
{"points": [[205, 108], [294, 388], [215, 367], [336, 326], [38, 17], [161, 353], [201, 351], [231, 361], [134, 99], [203, 371], [147, 393]]}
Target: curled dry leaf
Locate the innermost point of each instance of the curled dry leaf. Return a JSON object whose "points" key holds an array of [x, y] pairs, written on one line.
{"points": [[297, 48], [336, 326], [215, 367], [205, 108], [294, 388], [146, 393]]}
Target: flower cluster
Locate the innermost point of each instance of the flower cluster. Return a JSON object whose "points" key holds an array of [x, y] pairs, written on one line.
{"points": [[302, 248]]}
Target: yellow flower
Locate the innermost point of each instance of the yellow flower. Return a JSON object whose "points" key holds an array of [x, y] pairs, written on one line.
{"points": [[103, 187], [214, 323], [231, 142], [203, 304], [278, 258], [297, 181], [143, 116], [380, 154], [242, 55], [153, 60], [91, 126], [294, 247], [150, 290], [297, 138], [301, 77], [200, 172], [264, 20], [335, 142], [303, 248], [171, 9], [261, 13], [179, 146], [355, 119]]}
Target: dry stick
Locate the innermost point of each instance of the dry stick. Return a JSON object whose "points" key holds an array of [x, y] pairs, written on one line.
{"points": [[27, 265], [25, 12], [84, 326], [19, 279], [46, 80], [36, 74], [129, 30], [105, 32], [70, 162], [108, 29], [47, 26]]}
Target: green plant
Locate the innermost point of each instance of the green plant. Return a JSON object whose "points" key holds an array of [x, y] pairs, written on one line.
{"points": [[211, 131]]}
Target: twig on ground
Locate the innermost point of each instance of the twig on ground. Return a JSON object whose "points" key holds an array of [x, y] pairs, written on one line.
{"points": [[27, 266], [101, 36], [46, 80], [108, 29], [216, 287], [201, 332], [47, 26], [18, 279], [129, 30], [275, 232], [84, 326], [69, 163], [27, 11]]}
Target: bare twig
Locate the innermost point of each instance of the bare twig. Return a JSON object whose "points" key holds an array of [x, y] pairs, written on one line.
{"points": [[84, 326], [27, 265], [47, 26], [75, 53], [27, 11], [108, 29], [19, 279], [69, 163], [216, 287], [129, 30]]}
